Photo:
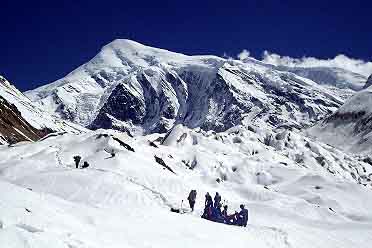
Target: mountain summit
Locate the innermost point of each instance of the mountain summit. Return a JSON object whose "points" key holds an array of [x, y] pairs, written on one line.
{"points": [[137, 88]]}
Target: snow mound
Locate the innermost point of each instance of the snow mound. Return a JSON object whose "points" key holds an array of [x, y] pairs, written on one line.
{"points": [[178, 136]]}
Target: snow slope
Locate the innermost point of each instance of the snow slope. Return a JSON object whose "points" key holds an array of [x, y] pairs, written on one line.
{"points": [[337, 77], [137, 88], [349, 128], [341, 72], [34, 121], [339, 80], [299, 193]]}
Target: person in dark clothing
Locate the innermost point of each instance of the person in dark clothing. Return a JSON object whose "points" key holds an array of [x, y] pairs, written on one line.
{"points": [[214, 212], [224, 211], [208, 207], [243, 216], [207, 214], [208, 200], [192, 199], [217, 200], [235, 219], [77, 161], [217, 214], [85, 165], [228, 219]]}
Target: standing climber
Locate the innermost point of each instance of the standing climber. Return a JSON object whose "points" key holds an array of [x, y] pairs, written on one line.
{"points": [[208, 200], [77, 161], [217, 200], [207, 214], [192, 199]]}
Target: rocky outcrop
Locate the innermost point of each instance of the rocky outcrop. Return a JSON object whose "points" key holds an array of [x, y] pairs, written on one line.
{"points": [[21, 119], [369, 82], [14, 128]]}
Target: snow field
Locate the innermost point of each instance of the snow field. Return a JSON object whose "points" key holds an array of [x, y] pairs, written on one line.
{"points": [[124, 201]]}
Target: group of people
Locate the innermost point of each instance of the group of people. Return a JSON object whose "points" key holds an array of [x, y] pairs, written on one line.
{"points": [[213, 211]]}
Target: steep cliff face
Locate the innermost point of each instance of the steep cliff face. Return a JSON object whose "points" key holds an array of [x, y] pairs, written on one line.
{"points": [[22, 120], [14, 128], [232, 95], [369, 82]]}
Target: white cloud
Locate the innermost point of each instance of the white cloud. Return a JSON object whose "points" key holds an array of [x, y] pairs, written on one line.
{"points": [[243, 54], [340, 61]]}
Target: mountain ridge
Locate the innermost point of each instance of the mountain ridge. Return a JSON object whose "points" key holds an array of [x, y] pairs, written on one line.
{"points": [[181, 89], [350, 127]]}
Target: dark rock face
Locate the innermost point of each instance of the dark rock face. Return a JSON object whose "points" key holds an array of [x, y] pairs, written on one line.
{"points": [[209, 100], [227, 109], [350, 126], [361, 121], [368, 83], [14, 128]]}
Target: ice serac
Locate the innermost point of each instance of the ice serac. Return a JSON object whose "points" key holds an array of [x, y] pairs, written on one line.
{"points": [[350, 127], [137, 88], [22, 120]]}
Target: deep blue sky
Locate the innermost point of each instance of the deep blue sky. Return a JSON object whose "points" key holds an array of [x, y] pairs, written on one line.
{"points": [[43, 41]]}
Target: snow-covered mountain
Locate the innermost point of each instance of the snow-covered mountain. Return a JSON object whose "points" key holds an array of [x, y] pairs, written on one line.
{"points": [[350, 127], [22, 120], [130, 86], [209, 124]]}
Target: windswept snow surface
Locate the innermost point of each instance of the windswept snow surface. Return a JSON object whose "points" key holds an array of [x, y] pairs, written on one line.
{"points": [[299, 193]]}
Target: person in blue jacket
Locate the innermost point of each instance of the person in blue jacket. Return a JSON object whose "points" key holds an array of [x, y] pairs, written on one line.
{"points": [[217, 214]]}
